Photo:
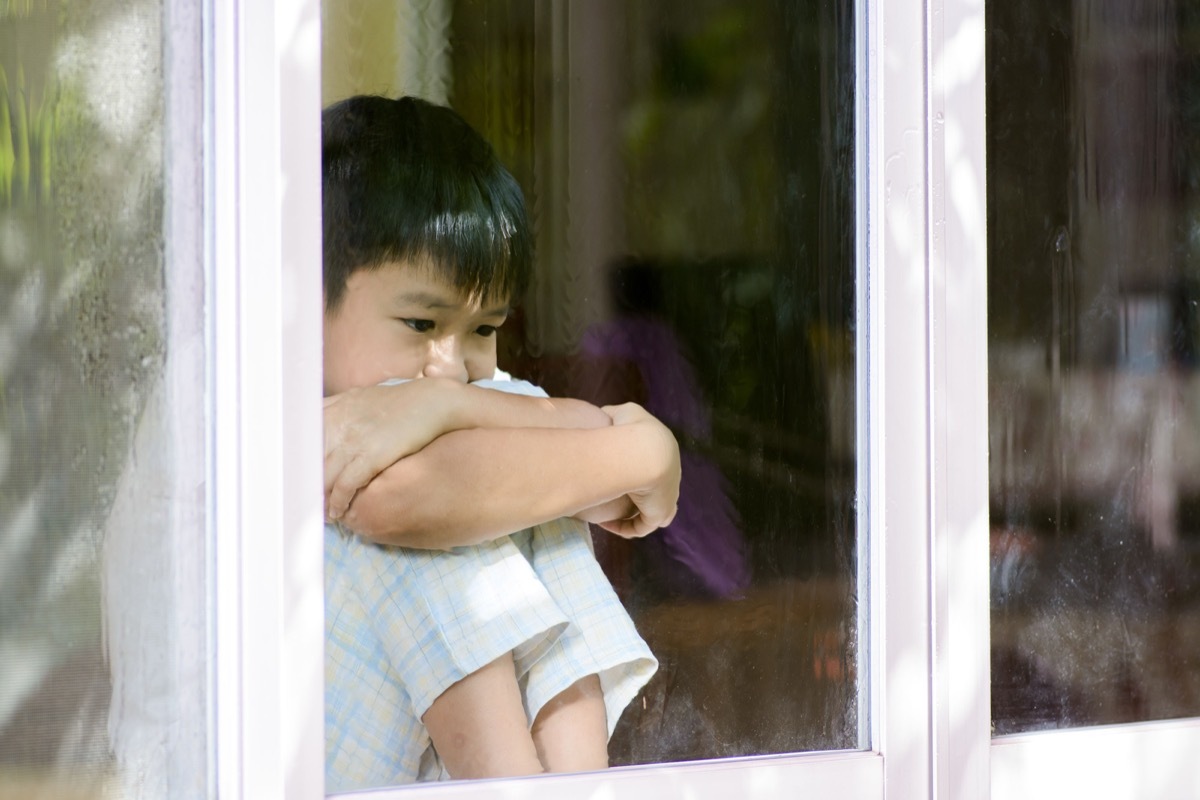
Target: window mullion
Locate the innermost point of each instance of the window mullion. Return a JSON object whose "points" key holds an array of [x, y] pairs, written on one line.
{"points": [[899, 422], [264, 203], [957, 235]]}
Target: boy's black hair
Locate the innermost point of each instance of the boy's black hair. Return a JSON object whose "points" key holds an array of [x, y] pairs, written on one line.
{"points": [[406, 179]]}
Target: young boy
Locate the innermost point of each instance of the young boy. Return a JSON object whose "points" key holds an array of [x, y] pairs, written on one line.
{"points": [[508, 655]]}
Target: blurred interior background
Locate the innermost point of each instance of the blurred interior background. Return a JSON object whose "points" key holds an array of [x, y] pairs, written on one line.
{"points": [[1093, 284]]}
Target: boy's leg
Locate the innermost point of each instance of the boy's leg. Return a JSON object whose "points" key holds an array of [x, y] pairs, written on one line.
{"points": [[600, 658], [479, 727], [571, 731]]}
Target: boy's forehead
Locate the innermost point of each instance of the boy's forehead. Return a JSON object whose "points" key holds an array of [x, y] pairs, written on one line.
{"points": [[422, 281]]}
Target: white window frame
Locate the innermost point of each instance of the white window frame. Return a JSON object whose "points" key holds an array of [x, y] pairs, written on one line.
{"points": [[263, 239], [922, 394]]}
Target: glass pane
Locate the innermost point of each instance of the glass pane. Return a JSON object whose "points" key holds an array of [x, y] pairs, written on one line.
{"points": [[102, 565], [689, 170], [1094, 220]]}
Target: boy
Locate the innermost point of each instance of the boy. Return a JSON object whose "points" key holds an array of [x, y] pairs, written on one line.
{"points": [[512, 655]]}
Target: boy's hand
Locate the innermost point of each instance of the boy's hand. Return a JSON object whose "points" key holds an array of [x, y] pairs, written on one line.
{"points": [[369, 429], [657, 499]]}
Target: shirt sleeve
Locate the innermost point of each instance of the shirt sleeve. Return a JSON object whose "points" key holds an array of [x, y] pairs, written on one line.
{"points": [[512, 387]]}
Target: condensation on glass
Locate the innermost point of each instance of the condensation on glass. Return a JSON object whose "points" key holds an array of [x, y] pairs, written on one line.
{"points": [[1094, 343], [689, 169], [102, 541]]}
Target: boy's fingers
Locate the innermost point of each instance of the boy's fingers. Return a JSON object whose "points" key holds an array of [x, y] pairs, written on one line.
{"points": [[343, 465], [625, 413], [334, 465], [335, 499], [668, 519], [639, 524], [336, 504], [615, 527], [633, 528], [355, 475]]}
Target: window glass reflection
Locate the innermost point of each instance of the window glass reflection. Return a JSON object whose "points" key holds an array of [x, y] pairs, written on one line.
{"points": [[102, 566], [1095, 401], [689, 171]]}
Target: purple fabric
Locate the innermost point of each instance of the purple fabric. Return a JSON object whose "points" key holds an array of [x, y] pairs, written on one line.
{"points": [[705, 538]]}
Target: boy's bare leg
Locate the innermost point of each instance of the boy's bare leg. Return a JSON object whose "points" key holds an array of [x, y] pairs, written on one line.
{"points": [[479, 727], [571, 731]]}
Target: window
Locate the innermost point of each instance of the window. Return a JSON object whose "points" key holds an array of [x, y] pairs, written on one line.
{"points": [[891, 422], [1092, 350], [689, 169], [231, 97], [104, 613], [1092, 339]]}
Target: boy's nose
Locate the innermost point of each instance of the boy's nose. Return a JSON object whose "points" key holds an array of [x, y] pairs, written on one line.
{"points": [[446, 360]]}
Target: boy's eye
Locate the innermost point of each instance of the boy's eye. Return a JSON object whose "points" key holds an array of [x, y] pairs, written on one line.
{"points": [[419, 325], [486, 330]]}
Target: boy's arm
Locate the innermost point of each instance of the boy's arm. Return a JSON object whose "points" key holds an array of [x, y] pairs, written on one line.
{"points": [[506, 479], [368, 430]]}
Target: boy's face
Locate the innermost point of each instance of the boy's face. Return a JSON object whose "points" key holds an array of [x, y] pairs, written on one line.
{"points": [[402, 321]]}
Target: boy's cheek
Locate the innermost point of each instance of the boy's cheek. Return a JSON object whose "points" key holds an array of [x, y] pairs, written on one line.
{"points": [[482, 370], [335, 370], [342, 377]]}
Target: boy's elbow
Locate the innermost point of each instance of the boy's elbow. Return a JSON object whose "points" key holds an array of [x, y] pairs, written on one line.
{"points": [[379, 513], [362, 518], [385, 512], [400, 530]]}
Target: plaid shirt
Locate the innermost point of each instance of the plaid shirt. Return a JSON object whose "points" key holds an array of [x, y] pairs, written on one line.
{"points": [[403, 625]]}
